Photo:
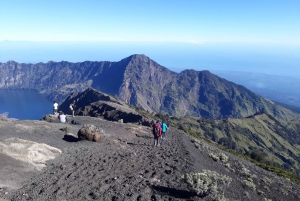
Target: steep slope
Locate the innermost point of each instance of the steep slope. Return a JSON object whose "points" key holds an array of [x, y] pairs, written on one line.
{"points": [[140, 81], [269, 140], [56, 79], [197, 93]]}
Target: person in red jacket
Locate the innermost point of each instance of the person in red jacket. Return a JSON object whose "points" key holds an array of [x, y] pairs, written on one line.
{"points": [[157, 133]]}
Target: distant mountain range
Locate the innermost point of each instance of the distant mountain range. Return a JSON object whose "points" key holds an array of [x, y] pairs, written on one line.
{"points": [[142, 82]]}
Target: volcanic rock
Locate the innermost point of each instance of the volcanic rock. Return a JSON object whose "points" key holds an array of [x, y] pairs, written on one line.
{"points": [[90, 132]]}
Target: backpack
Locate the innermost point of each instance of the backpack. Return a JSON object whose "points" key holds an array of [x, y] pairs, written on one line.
{"points": [[156, 130]]}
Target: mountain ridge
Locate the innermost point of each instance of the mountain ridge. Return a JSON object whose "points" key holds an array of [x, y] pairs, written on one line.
{"points": [[140, 81]]}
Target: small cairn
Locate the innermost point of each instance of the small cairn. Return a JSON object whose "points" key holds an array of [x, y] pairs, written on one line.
{"points": [[90, 132]]}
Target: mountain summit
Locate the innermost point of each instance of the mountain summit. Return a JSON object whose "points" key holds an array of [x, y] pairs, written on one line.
{"points": [[140, 81]]}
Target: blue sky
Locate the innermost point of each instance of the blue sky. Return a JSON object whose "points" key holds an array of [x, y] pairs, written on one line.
{"points": [[257, 35]]}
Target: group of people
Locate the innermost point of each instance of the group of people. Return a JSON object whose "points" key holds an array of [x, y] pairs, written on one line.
{"points": [[159, 131], [62, 117]]}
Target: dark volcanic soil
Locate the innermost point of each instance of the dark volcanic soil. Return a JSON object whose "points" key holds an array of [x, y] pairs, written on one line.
{"points": [[125, 166]]}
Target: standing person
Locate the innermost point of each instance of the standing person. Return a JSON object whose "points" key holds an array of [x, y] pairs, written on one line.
{"points": [[168, 123], [160, 123], [156, 133], [72, 108], [55, 107], [62, 117], [164, 129]]}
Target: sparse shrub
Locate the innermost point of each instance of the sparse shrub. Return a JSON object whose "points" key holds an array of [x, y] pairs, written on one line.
{"points": [[259, 192], [246, 194], [214, 156], [220, 156], [66, 129], [245, 172], [253, 176], [283, 191], [181, 127], [223, 157], [266, 188], [266, 180], [257, 155], [249, 183], [206, 182], [220, 198], [200, 145], [227, 165]]}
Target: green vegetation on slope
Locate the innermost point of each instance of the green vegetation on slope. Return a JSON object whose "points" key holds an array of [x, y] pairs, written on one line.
{"points": [[261, 137]]}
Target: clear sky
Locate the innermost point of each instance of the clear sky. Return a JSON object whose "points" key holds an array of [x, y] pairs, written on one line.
{"points": [[252, 35]]}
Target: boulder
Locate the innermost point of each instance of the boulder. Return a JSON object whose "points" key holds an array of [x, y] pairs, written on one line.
{"points": [[90, 132], [51, 118]]}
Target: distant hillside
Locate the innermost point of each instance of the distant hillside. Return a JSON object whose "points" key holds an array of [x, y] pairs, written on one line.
{"points": [[269, 140], [142, 82]]}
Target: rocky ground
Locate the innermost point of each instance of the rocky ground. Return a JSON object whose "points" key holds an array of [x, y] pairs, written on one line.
{"points": [[126, 166]]}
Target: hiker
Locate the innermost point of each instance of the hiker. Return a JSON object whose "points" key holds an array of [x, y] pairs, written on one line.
{"points": [[72, 108], [62, 117], [156, 133], [55, 107], [168, 123], [164, 129], [152, 123], [160, 123]]}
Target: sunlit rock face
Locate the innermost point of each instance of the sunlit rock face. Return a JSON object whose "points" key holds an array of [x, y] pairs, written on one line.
{"points": [[142, 82]]}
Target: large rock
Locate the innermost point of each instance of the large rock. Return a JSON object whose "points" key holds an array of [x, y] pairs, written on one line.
{"points": [[90, 132], [51, 118]]}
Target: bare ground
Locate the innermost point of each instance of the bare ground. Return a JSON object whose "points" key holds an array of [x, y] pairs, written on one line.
{"points": [[126, 166]]}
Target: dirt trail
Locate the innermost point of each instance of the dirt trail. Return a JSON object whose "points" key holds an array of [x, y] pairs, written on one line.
{"points": [[126, 166], [115, 169]]}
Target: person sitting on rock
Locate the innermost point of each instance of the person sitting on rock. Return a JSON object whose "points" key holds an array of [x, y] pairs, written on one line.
{"points": [[62, 117]]}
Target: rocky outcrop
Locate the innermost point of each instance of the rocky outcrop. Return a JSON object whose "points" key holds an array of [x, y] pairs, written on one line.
{"points": [[33, 153], [90, 132], [97, 104]]}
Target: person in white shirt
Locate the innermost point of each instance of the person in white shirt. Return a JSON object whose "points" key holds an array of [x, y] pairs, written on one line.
{"points": [[72, 108], [55, 107], [62, 117]]}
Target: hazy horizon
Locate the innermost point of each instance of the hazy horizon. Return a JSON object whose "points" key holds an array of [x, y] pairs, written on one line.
{"points": [[270, 59], [250, 36]]}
